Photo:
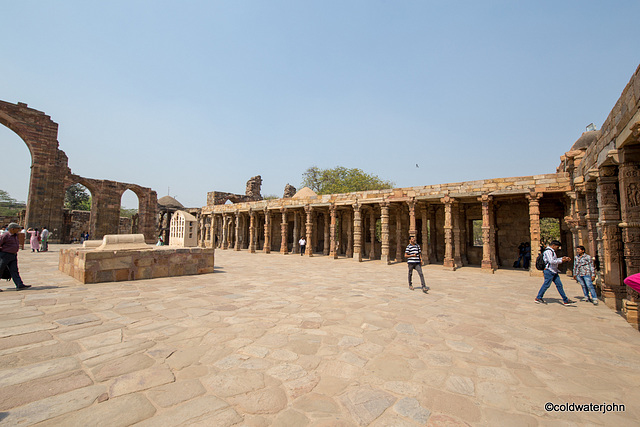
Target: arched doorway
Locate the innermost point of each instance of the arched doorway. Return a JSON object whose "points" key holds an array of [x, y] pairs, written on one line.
{"points": [[129, 208], [16, 174]]}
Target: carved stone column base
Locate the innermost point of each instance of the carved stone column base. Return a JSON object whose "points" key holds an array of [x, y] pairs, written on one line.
{"points": [[487, 266], [631, 310], [613, 297], [450, 263], [385, 258]]}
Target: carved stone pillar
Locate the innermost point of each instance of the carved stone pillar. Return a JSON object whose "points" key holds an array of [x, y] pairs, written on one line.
{"points": [[267, 231], [212, 231], [534, 229], [202, 232], [296, 246], [573, 226], [487, 229], [357, 232], [581, 213], [412, 217], [332, 247], [591, 199], [426, 250], [399, 248], [309, 211], [448, 234], [252, 231], [613, 290], [283, 231], [384, 219], [349, 221], [629, 177], [225, 224], [314, 236], [236, 245], [327, 235], [457, 241], [372, 233]]}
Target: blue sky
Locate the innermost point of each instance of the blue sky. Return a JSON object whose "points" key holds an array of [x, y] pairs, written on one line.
{"points": [[195, 96]]}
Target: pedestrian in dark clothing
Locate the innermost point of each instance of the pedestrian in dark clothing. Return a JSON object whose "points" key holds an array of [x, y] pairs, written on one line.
{"points": [[9, 246]]}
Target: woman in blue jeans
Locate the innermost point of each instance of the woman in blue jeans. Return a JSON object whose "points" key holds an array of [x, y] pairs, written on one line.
{"points": [[585, 275]]}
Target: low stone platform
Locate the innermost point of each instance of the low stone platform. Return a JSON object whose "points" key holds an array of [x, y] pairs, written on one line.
{"points": [[115, 261]]}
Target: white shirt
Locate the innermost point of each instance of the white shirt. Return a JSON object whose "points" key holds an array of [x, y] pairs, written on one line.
{"points": [[551, 260], [302, 242]]}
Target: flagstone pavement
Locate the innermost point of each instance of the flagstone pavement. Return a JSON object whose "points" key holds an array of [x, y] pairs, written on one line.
{"points": [[274, 340]]}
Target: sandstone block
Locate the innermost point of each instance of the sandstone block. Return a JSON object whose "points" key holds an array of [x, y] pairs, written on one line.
{"points": [[141, 380], [40, 388], [122, 411], [54, 406], [175, 393]]}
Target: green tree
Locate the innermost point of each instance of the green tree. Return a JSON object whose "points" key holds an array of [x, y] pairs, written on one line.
{"points": [[8, 205], [128, 213], [77, 198], [342, 180], [549, 229]]}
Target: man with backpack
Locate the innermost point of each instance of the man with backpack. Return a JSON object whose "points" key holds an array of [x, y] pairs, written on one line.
{"points": [[549, 263]]}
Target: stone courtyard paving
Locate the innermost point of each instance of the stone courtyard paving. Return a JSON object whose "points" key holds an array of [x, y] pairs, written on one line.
{"points": [[273, 340]]}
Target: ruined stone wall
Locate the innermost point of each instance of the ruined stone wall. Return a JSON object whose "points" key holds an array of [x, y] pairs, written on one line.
{"points": [[80, 222], [49, 164], [512, 221], [252, 194], [124, 226], [51, 176], [6, 220]]}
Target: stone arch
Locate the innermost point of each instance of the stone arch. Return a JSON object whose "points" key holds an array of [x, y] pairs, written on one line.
{"points": [[50, 176], [65, 233], [147, 209], [49, 164]]}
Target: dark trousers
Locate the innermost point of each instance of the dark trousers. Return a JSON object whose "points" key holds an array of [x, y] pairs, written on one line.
{"points": [[418, 268], [302, 249], [10, 261]]}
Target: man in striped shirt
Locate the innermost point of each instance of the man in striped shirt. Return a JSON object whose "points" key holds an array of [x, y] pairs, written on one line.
{"points": [[414, 261]]}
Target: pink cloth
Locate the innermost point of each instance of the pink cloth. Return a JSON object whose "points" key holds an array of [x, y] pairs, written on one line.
{"points": [[633, 282], [35, 245]]}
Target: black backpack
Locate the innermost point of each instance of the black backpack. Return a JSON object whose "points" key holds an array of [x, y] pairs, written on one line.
{"points": [[540, 264]]}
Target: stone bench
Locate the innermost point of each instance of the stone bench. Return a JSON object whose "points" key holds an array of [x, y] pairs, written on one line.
{"points": [[116, 242]]}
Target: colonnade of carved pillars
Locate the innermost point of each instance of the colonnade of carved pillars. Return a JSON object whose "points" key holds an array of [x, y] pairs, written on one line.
{"points": [[606, 220], [354, 216]]}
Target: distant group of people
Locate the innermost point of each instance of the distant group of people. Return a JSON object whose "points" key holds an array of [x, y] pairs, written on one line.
{"points": [[524, 256]]}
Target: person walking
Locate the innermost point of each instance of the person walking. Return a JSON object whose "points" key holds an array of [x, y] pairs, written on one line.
{"points": [[551, 273], [585, 275], [413, 253], [9, 245], [34, 239], [303, 243], [44, 240]]}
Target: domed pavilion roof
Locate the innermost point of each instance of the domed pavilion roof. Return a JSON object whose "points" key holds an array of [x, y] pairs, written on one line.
{"points": [[169, 202], [586, 139]]}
